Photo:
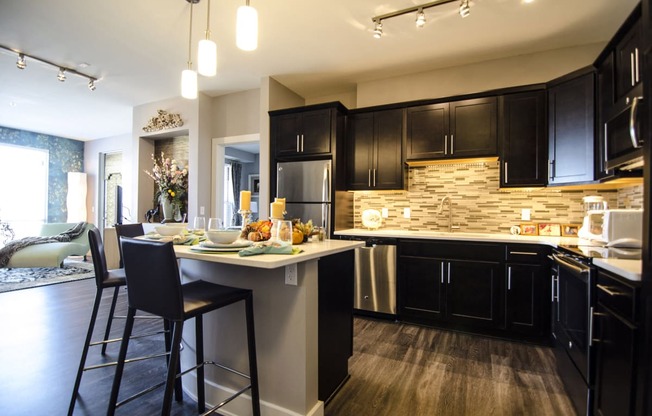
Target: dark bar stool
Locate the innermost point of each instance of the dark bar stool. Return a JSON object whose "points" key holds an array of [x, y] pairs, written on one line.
{"points": [[155, 287], [127, 230], [106, 279]]}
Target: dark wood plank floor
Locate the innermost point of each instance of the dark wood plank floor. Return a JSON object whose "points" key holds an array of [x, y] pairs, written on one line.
{"points": [[396, 369]]}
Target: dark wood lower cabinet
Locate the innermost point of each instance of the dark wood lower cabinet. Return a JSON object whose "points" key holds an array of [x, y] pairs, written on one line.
{"points": [[526, 298]]}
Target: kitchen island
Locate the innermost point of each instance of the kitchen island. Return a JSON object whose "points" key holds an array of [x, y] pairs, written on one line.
{"points": [[303, 330]]}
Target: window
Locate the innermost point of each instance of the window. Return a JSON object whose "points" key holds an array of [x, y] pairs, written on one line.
{"points": [[229, 203], [24, 188]]}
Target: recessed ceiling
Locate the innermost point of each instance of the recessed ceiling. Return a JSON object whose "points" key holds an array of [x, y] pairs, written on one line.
{"points": [[139, 48]]}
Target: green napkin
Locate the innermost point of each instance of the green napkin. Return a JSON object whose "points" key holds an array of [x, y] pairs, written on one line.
{"points": [[269, 247]]}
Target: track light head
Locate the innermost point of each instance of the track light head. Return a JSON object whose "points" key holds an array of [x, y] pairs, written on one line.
{"points": [[91, 84], [378, 29], [421, 18], [465, 10], [21, 63], [61, 76]]}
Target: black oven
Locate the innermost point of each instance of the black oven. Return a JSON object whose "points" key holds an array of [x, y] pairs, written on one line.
{"points": [[572, 310]]}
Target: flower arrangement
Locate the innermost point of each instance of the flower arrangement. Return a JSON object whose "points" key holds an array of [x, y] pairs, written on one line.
{"points": [[170, 180]]}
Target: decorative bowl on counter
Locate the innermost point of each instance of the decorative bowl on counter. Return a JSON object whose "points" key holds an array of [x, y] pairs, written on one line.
{"points": [[222, 236], [372, 219], [169, 230]]}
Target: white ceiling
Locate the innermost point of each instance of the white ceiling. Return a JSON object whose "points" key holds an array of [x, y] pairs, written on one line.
{"points": [[138, 49]]}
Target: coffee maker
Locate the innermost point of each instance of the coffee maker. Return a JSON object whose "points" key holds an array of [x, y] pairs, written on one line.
{"points": [[590, 203]]}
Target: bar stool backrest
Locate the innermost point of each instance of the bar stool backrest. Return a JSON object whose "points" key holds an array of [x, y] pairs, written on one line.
{"points": [[127, 230], [97, 252], [153, 280]]}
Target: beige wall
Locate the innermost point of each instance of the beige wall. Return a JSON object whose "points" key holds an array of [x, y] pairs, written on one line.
{"points": [[236, 114]]}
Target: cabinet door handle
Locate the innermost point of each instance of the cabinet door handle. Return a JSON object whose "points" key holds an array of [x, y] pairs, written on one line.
{"points": [[524, 253], [369, 178], [608, 290], [636, 64], [509, 278], [505, 173], [591, 327], [551, 169], [632, 64], [446, 144], [442, 272], [632, 122], [452, 144], [449, 273], [302, 143], [374, 178], [606, 157], [553, 281], [298, 148]]}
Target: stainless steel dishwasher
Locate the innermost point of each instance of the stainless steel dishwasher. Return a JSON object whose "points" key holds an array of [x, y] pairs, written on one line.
{"points": [[375, 276]]}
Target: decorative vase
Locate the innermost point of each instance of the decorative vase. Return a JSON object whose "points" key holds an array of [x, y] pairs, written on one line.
{"points": [[168, 209]]}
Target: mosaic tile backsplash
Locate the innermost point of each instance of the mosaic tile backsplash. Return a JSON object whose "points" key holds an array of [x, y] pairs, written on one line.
{"points": [[65, 155], [477, 202]]}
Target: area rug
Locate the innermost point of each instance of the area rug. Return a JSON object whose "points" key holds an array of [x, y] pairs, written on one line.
{"points": [[24, 278]]}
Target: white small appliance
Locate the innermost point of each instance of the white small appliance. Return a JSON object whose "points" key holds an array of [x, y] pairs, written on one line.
{"points": [[614, 227]]}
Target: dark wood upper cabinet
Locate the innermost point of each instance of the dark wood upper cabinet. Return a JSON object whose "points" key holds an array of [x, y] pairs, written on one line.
{"points": [[303, 133], [375, 150], [629, 66], [571, 129], [457, 129], [522, 130]]}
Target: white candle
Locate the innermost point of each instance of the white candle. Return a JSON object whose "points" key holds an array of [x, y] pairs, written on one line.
{"points": [[276, 210], [245, 200]]}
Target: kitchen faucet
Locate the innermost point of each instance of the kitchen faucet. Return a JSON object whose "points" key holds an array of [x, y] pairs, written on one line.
{"points": [[450, 211]]}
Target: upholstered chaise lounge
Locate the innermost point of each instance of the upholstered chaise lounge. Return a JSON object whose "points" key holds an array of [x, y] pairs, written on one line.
{"points": [[52, 254]]}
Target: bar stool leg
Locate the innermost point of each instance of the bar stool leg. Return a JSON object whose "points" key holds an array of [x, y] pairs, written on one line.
{"points": [[87, 343], [199, 353], [117, 378], [109, 321], [168, 328], [253, 367], [173, 367]]}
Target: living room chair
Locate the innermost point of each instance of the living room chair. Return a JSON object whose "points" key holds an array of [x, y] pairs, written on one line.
{"points": [[106, 279], [155, 287]]}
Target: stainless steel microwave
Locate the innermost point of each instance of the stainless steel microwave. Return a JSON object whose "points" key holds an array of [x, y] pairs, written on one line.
{"points": [[623, 142]]}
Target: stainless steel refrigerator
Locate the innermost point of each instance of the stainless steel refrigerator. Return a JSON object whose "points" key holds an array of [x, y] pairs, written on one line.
{"points": [[306, 187]]}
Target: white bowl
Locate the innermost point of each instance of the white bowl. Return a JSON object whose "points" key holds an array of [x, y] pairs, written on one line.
{"points": [[222, 236], [170, 229]]}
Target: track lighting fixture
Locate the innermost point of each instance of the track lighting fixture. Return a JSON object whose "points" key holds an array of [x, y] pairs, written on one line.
{"points": [[20, 63], [421, 18], [465, 10], [207, 51], [62, 71], [246, 36], [378, 29], [420, 21], [188, 76]]}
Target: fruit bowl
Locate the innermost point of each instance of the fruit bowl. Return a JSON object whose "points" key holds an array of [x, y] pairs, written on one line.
{"points": [[169, 230], [222, 236]]}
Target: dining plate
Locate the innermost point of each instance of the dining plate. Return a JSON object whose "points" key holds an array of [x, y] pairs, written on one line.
{"points": [[201, 249], [237, 244]]}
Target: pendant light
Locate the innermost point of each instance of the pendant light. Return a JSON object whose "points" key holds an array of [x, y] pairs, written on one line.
{"points": [[247, 28], [188, 76], [207, 51]]}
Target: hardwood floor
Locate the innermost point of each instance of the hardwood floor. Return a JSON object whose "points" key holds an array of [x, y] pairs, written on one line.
{"points": [[396, 369], [400, 369]]}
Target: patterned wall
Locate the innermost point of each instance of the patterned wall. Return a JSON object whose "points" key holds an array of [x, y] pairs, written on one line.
{"points": [[65, 155], [477, 202]]}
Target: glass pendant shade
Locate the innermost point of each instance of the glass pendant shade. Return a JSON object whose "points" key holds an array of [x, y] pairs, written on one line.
{"points": [[207, 58], [247, 28], [189, 84]]}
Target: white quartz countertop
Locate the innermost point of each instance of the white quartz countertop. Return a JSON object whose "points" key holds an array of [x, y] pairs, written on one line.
{"points": [[461, 236], [311, 250], [629, 269]]}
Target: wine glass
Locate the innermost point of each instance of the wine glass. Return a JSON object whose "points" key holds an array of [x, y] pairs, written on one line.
{"points": [[199, 224], [215, 224]]}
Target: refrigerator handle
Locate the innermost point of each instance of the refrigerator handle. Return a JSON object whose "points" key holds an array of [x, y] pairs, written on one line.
{"points": [[326, 190]]}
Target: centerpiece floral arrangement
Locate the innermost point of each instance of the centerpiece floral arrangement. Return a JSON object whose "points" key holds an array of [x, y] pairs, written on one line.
{"points": [[171, 181]]}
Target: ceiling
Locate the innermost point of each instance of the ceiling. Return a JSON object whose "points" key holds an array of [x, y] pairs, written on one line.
{"points": [[138, 49]]}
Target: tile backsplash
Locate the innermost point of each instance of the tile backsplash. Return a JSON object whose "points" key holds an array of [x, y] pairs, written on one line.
{"points": [[477, 202]]}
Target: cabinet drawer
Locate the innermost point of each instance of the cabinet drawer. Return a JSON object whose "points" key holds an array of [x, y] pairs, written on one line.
{"points": [[451, 250], [617, 294], [526, 253]]}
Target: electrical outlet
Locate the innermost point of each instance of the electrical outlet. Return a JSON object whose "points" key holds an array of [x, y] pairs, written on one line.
{"points": [[526, 214], [385, 213], [406, 212], [201, 210], [291, 274]]}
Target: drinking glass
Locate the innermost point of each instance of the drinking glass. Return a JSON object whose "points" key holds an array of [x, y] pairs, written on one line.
{"points": [[215, 224], [282, 231], [199, 224]]}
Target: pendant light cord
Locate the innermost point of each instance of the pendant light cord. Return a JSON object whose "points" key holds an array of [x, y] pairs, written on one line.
{"points": [[190, 39], [208, 21]]}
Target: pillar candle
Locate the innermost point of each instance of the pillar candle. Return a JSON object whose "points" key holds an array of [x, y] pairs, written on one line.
{"points": [[282, 201], [245, 200], [276, 210]]}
